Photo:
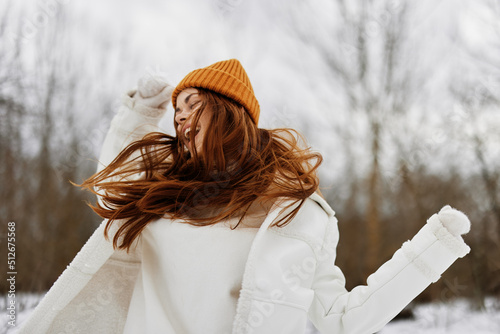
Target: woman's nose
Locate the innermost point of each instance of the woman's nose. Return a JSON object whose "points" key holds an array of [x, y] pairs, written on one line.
{"points": [[181, 116]]}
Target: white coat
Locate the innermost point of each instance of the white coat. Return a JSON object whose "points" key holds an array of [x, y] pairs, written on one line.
{"points": [[290, 274]]}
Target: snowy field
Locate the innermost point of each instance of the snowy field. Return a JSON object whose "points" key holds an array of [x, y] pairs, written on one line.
{"points": [[450, 318], [441, 318]]}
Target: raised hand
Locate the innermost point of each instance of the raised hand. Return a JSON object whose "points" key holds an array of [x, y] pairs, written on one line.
{"points": [[153, 91], [456, 222]]}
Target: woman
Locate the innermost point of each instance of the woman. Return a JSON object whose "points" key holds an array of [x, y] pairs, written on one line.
{"points": [[220, 229]]}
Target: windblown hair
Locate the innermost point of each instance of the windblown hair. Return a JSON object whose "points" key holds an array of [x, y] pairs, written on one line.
{"points": [[238, 165]]}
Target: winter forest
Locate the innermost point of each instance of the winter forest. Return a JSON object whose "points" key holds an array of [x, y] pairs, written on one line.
{"points": [[402, 99]]}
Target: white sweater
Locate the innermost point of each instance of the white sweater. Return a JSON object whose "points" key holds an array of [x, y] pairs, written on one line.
{"points": [[171, 297]]}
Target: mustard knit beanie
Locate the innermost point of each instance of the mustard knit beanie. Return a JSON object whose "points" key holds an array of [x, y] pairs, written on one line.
{"points": [[226, 77]]}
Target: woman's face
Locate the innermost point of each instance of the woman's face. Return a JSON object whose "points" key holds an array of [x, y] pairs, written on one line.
{"points": [[189, 101]]}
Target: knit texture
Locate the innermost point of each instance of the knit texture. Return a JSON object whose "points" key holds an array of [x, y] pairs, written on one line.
{"points": [[226, 77]]}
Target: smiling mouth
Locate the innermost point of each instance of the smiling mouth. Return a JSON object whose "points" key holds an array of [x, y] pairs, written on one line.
{"points": [[187, 133]]}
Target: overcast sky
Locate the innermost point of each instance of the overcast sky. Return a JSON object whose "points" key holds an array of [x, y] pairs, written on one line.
{"points": [[175, 37]]}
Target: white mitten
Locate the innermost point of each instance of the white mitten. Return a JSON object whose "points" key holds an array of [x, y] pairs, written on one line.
{"points": [[153, 92], [456, 222]]}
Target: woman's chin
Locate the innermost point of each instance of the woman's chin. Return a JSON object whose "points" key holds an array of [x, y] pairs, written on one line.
{"points": [[189, 147], [191, 151]]}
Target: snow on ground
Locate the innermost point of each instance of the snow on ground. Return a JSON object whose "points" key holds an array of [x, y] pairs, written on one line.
{"points": [[449, 318], [455, 317], [25, 303]]}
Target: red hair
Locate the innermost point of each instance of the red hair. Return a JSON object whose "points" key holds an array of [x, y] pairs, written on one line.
{"points": [[238, 165]]}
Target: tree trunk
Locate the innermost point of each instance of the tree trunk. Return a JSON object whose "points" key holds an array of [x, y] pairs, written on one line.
{"points": [[373, 239]]}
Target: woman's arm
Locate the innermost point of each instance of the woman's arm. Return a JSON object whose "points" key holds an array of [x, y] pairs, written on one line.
{"points": [[419, 262], [139, 114]]}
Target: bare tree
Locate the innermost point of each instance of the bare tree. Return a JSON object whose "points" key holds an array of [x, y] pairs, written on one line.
{"points": [[368, 59], [46, 88]]}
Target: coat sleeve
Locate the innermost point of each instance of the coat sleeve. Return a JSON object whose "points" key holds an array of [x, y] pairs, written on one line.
{"points": [[132, 122], [366, 309], [99, 277]]}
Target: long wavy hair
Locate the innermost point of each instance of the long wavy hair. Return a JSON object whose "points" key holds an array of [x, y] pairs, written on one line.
{"points": [[238, 165]]}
